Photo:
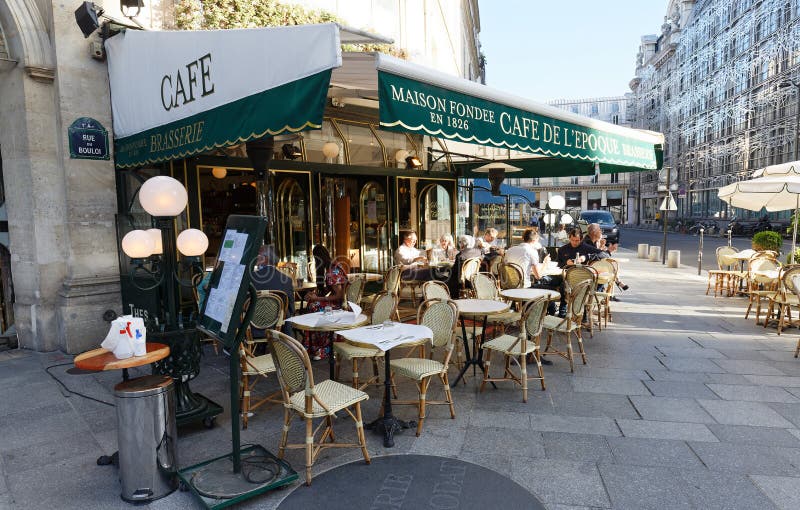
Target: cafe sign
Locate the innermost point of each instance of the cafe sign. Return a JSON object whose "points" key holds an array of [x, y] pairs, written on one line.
{"points": [[88, 139], [429, 102], [179, 93]]}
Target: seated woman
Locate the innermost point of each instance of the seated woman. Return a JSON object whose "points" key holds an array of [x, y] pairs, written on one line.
{"points": [[331, 282], [466, 244], [446, 250]]}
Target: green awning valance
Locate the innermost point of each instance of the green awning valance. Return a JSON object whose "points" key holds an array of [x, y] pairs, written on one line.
{"points": [[413, 98]]}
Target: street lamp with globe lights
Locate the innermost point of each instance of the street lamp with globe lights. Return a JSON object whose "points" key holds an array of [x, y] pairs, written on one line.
{"points": [[153, 253]]}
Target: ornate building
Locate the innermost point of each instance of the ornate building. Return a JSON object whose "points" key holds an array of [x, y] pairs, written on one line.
{"points": [[711, 82]]}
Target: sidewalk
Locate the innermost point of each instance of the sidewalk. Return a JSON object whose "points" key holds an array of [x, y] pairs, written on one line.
{"points": [[683, 404]]}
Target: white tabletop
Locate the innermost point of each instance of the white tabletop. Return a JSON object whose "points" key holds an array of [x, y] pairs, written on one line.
{"points": [[742, 255], [551, 269], [370, 277], [469, 307], [386, 337], [318, 321], [529, 294]]}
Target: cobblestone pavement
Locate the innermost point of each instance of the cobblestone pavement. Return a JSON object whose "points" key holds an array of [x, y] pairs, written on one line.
{"points": [[683, 404]]}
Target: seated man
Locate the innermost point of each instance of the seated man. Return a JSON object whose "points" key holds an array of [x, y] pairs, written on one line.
{"points": [[594, 238], [466, 245], [488, 241], [526, 256], [408, 256]]}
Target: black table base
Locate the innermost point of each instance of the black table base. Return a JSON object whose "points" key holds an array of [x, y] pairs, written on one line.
{"points": [[473, 359], [387, 425]]}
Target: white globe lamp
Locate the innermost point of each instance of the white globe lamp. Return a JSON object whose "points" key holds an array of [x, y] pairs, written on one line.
{"points": [[163, 196], [556, 202], [567, 219], [330, 150], [401, 155], [155, 236], [137, 244], [192, 242]]}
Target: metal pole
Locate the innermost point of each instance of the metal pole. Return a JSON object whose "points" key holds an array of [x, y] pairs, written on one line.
{"points": [[508, 221], [470, 221], [730, 232], [666, 213], [700, 254]]}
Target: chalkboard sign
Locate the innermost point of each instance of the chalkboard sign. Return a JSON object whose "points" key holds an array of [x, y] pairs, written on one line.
{"points": [[220, 316]]}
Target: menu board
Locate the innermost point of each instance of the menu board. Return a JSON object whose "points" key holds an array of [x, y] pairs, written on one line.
{"points": [[220, 316]]}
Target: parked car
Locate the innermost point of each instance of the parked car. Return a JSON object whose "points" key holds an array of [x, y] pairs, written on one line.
{"points": [[606, 221]]}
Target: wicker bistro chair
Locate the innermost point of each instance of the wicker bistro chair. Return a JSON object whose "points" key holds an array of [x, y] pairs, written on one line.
{"points": [[383, 308], [725, 277], [309, 401], [435, 289], [577, 297], [760, 286], [511, 276], [484, 287], [575, 275], [517, 348], [441, 316], [268, 314], [468, 269], [355, 290], [786, 297], [603, 299]]}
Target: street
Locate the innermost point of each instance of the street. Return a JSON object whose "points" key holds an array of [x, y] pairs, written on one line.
{"points": [[688, 244]]}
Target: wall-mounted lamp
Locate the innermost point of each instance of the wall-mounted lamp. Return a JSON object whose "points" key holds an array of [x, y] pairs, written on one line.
{"points": [[219, 172], [131, 8], [401, 155], [413, 163], [88, 15], [291, 151]]}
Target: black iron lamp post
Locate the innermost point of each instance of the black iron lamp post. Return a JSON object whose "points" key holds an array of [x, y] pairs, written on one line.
{"points": [[153, 253]]}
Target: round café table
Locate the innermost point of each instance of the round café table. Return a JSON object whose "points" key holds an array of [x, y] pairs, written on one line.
{"points": [[310, 322], [386, 338], [522, 295], [475, 309], [100, 359]]}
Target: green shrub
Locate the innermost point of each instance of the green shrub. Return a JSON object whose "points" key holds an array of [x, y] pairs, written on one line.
{"points": [[796, 256], [767, 240]]}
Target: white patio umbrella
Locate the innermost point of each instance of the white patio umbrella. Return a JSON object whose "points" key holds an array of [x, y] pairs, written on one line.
{"points": [[775, 188]]}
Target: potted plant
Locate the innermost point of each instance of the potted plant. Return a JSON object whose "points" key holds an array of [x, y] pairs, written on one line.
{"points": [[767, 240]]}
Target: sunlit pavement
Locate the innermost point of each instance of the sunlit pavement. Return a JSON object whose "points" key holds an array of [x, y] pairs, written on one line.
{"points": [[683, 404]]}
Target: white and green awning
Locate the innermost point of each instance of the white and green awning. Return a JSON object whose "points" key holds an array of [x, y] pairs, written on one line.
{"points": [[419, 99], [175, 94]]}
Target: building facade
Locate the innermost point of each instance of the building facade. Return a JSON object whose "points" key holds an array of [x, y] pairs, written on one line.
{"points": [[711, 82], [63, 249]]}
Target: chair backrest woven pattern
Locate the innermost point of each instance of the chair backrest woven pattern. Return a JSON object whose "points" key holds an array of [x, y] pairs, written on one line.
{"points": [[269, 311], [435, 290], [724, 259], [484, 286], [533, 315], [494, 266], [356, 289], [383, 307], [392, 279], [469, 268], [576, 300], [511, 276], [788, 274], [763, 263], [441, 316], [291, 362], [575, 275]]}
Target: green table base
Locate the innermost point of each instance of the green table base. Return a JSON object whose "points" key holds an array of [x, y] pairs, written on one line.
{"points": [[215, 484]]}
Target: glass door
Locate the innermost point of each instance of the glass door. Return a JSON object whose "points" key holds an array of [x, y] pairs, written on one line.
{"points": [[292, 225], [375, 238], [435, 219]]}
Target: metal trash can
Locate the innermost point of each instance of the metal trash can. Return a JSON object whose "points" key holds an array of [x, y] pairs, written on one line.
{"points": [[146, 437]]}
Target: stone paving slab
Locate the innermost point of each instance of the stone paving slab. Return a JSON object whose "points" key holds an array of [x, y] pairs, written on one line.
{"points": [[666, 430], [575, 425], [561, 481], [679, 389], [754, 414], [767, 436], [653, 452], [753, 393], [576, 447], [744, 458], [783, 491], [645, 488], [612, 386], [671, 409]]}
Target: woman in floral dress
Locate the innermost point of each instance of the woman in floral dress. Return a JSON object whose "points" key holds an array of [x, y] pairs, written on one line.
{"points": [[331, 283]]}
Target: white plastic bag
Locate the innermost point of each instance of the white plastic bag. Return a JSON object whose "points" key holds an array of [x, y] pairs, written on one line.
{"points": [[126, 337]]}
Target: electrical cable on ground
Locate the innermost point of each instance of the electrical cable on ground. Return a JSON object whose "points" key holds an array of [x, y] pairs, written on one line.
{"points": [[56, 379]]}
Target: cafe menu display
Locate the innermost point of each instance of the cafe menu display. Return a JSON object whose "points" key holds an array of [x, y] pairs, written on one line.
{"points": [[228, 288]]}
